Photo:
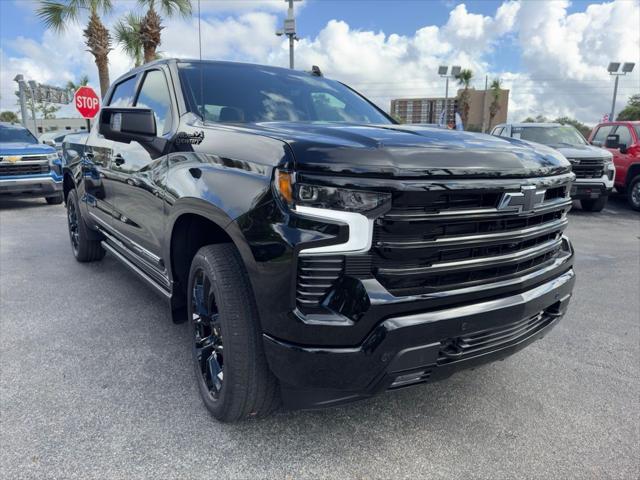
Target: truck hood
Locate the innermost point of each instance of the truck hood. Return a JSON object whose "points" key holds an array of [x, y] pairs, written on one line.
{"points": [[410, 151], [19, 148], [584, 151]]}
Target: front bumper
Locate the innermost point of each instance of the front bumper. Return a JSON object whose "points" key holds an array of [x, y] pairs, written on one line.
{"points": [[31, 186], [590, 190], [416, 348]]}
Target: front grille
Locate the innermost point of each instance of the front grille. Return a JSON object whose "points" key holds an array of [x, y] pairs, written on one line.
{"points": [[18, 168], [418, 249], [485, 341], [587, 167], [316, 276]]}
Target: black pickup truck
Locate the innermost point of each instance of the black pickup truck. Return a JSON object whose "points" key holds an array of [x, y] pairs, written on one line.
{"points": [[320, 252]]}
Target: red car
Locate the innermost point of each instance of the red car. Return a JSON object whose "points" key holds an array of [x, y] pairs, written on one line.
{"points": [[622, 139]]}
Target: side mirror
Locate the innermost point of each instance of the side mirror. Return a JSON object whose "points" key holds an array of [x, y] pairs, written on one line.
{"points": [[622, 147], [51, 143], [127, 124], [613, 141]]}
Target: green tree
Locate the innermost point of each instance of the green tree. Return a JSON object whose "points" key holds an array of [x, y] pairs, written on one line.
{"points": [[83, 82], [585, 130], [494, 106], [464, 80], [127, 35], [7, 116], [632, 110], [56, 15], [537, 119], [43, 109], [150, 26]]}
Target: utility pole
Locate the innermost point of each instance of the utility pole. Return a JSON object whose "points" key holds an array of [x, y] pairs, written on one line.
{"points": [[289, 29], [442, 71], [21, 96], [484, 104], [615, 94], [33, 87]]}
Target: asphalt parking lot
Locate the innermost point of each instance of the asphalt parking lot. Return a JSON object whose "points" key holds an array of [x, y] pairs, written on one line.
{"points": [[96, 382]]}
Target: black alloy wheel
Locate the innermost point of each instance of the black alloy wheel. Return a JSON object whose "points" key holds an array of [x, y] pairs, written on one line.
{"points": [[74, 234], [207, 342]]}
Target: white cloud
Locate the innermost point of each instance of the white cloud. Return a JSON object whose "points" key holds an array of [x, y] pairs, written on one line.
{"points": [[562, 70]]}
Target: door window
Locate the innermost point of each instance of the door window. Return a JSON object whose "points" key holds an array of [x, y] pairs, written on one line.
{"points": [[498, 131], [154, 94], [123, 94], [625, 135], [601, 134]]}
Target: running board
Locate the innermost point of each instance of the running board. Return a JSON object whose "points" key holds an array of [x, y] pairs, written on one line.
{"points": [[159, 288]]}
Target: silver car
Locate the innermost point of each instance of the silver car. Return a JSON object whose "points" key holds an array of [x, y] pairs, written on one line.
{"points": [[593, 166]]}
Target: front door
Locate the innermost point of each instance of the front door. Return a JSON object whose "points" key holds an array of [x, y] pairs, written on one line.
{"points": [[98, 177], [139, 192]]}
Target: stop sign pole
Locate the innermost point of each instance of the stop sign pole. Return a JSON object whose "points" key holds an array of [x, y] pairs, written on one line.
{"points": [[87, 103]]}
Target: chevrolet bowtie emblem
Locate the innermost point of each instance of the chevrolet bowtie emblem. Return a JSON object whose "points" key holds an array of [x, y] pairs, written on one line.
{"points": [[12, 158], [526, 200]]}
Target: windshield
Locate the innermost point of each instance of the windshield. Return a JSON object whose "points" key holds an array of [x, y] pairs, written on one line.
{"points": [[16, 134], [552, 136], [236, 93]]}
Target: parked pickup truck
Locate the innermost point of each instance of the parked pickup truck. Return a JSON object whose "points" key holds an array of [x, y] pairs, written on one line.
{"points": [[593, 167], [27, 168], [622, 139], [320, 252]]}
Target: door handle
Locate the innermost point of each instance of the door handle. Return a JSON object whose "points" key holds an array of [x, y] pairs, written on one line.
{"points": [[118, 160]]}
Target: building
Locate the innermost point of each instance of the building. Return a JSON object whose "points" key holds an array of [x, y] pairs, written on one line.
{"points": [[428, 110], [55, 124]]}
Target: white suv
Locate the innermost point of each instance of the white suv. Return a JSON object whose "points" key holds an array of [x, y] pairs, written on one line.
{"points": [[593, 166]]}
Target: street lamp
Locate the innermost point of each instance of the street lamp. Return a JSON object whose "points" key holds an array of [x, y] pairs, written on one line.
{"points": [[442, 71], [613, 68], [289, 29]]}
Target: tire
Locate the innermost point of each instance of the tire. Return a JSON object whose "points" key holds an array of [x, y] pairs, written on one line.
{"points": [[85, 248], [633, 193], [55, 199], [594, 204], [229, 362]]}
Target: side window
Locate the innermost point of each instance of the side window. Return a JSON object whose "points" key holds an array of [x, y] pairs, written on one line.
{"points": [[123, 93], [154, 94], [625, 135], [601, 134], [497, 131]]}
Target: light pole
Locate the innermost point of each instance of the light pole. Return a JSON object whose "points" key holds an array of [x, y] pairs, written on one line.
{"points": [[442, 71], [289, 29], [613, 68], [21, 95]]}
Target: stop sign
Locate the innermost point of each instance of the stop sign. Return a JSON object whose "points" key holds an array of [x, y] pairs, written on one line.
{"points": [[87, 102]]}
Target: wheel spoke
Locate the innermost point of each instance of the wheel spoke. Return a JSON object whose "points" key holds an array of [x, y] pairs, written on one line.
{"points": [[208, 348]]}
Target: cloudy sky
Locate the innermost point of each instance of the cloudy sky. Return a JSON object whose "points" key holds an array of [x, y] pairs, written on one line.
{"points": [[552, 55]]}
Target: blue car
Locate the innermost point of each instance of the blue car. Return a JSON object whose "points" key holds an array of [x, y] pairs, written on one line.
{"points": [[28, 168]]}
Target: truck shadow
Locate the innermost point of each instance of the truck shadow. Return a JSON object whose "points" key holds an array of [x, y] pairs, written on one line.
{"points": [[7, 203]]}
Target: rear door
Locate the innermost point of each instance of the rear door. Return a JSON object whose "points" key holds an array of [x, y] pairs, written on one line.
{"points": [[98, 176], [139, 191]]}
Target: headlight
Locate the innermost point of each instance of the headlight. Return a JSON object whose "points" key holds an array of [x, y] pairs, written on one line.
{"points": [[52, 156], [329, 198]]}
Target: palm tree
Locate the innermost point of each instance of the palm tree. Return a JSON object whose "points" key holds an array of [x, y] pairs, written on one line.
{"points": [[83, 82], [494, 107], [464, 80], [151, 24], [127, 35], [56, 15]]}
